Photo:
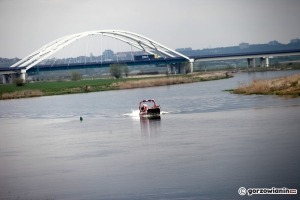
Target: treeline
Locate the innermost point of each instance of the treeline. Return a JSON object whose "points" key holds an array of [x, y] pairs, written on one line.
{"points": [[243, 48], [6, 62]]}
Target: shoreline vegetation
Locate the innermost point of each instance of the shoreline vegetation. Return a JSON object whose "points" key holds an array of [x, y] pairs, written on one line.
{"points": [[11, 91], [288, 85]]}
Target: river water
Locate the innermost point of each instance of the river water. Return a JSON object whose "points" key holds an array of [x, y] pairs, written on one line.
{"points": [[207, 144]]}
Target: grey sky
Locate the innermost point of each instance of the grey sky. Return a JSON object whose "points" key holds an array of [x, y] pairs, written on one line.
{"points": [[26, 25]]}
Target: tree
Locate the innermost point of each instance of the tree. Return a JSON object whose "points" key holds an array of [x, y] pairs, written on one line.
{"points": [[75, 76], [126, 70], [19, 82], [187, 67], [115, 70]]}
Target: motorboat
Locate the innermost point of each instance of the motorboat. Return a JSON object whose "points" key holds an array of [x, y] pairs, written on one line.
{"points": [[148, 107]]}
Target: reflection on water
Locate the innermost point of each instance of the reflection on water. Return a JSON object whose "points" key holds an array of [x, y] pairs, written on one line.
{"points": [[150, 126]]}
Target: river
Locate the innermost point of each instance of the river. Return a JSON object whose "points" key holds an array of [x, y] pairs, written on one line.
{"points": [[207, 144]]}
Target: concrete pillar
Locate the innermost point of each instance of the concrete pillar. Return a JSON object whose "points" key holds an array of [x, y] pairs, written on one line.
{"points": [[267, 61], [264, 61], [4, 78], [7, 78], [173, 69], [23, 75], [169, 69], [253, 62], [248, 62], [192, 65], [181, 69], [10, 78], [261, 62]]}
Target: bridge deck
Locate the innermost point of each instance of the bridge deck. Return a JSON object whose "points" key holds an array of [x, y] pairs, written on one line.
{"points": [[104, 64], [213, 57], [246, 55]]}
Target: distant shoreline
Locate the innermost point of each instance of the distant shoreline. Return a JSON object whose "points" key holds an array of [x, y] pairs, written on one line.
{"points": [[38, 89]]}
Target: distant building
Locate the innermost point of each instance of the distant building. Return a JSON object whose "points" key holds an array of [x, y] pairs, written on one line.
{"points": [[295, 41], [184, 49], [126, 55], [243, 45], [108, 54], [274, 42]]}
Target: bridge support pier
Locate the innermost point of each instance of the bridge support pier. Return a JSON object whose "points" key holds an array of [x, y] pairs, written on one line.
{"points": [[169, 69], [7, 78], [267, 61], [11, 77], [191, 62], [4, 78], [181, 69], [264, 61], [23, 75], [249, 60]]}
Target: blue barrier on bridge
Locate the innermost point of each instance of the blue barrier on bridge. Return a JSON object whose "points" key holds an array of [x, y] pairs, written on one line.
{"points": [[104, 64]]}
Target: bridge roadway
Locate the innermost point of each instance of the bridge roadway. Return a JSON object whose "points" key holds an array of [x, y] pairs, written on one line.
{"points": [[214, 57], [260, 54], [263, 55], [104, 64]]}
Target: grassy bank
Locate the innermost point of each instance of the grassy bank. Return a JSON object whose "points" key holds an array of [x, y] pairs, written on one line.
{"points": [[11, 91], [181, 79], [289, 85]]}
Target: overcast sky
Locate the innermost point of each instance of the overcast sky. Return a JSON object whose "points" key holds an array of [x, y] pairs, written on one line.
{"points": [[26, 25]]}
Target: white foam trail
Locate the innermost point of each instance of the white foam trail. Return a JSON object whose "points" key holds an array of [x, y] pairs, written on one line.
{"points": [[134, 113]]}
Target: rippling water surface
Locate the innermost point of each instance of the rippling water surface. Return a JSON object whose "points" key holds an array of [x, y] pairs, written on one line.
{"points": [[206, 145]]}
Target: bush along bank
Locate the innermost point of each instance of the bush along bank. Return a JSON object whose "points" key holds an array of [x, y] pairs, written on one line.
{"points": [[288, 85]]}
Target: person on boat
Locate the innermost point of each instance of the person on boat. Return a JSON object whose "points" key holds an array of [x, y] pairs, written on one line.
{"points": [[144, 107]]}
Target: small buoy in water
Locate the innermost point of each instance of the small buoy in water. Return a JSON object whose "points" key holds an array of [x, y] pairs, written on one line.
{"points": [[81, 118]]}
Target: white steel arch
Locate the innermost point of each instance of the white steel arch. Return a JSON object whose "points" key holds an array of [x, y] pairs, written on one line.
{"points": [[136, 40]]}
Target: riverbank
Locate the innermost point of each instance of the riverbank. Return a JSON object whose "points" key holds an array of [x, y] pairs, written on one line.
{"points": [[11, 91], [289, 85]]}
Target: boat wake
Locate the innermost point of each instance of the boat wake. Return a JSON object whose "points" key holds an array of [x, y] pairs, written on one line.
{"points": [[136, 113], [133, 113], [164, 112]]}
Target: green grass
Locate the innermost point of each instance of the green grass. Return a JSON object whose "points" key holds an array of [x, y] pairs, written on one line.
{"points": [[57, 88], [11, 91]]}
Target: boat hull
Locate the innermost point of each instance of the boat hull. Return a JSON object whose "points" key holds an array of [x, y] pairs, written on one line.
{"points": [[151, 112]]}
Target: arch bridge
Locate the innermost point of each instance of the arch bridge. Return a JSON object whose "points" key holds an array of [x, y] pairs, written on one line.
{"points": [[133, 39]]}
